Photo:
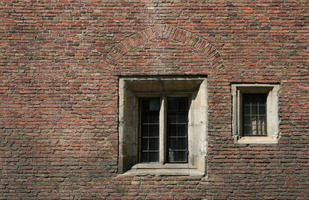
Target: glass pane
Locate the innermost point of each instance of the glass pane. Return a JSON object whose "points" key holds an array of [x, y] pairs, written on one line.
{"points": [[154, 144], [149, 133], [177, 117], [172, 144], [183, 106], [262, 109], [262, 125], [150, 130], [144, 156], [153, 117], [153, 157], [172, 118], [181, 143], [254, 109], [180, 156], [247, 129], [254, 114], [144, 144], [254, 125], [177, 129]]}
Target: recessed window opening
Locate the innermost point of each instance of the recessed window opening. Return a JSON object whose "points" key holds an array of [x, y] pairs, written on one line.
{"points": [[162, 125], [255, 113]]}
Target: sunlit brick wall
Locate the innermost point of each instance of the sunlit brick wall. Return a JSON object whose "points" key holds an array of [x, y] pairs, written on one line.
{"points": [[59, 65]]}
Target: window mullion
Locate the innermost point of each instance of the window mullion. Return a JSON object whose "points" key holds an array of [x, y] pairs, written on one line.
{"points": [[162, 130]]}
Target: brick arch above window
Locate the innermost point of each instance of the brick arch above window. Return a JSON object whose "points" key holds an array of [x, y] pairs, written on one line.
{"points": [[166, 32]]}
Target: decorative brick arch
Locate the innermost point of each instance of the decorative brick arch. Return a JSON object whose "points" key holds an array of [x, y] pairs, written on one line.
{"points": [[168, 32]]}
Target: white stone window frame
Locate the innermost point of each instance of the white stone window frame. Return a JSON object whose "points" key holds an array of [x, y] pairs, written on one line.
{"points": [[133, 88], [272, 114]]}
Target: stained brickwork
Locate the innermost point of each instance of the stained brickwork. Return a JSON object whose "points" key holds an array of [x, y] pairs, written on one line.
{"points": [[59, 67]]}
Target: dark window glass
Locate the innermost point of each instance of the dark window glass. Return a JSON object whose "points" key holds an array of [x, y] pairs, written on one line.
{"points": [[149, 125], [177, 129], [254, 115]]}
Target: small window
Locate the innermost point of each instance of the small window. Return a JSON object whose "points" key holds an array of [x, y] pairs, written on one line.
{"points": [[255, 113], [162, 126]]}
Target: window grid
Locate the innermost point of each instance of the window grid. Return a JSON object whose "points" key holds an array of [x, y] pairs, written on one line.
{"points": [[149, 136], [177, 130], [175, 141], [254, 115]]}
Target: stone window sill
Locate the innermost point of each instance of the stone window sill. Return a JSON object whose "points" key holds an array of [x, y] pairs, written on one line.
{"points": [[257, 140], [156, 169]]}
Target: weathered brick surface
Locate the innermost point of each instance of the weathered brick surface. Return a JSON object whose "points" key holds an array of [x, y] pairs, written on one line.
{"points": [[59, 67]]}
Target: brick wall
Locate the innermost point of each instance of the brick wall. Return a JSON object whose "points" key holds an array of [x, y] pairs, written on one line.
{"points": [[59, 67]]}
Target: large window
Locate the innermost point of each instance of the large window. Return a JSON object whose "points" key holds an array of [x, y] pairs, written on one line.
{"points": [[174, 127], [162, 126], [255, 113]]}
